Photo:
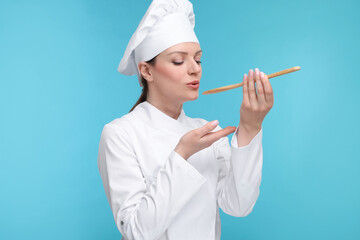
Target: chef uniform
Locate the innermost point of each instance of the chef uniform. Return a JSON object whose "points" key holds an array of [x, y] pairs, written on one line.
{"points": [[153, 192]]}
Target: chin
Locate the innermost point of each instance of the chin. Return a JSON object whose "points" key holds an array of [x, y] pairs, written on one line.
{"points": [[194, 97], [188, 99]]}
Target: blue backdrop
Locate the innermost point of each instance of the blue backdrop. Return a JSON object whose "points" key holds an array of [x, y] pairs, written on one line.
{"points": [[59, 87]]}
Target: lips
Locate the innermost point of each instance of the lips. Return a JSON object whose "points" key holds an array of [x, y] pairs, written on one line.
{"points": [[193, 83]]}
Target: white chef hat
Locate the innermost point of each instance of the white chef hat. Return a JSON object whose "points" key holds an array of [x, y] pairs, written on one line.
{"points": [[165, 23]]}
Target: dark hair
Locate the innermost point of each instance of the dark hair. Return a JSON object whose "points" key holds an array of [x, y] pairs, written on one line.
{"points": [[145, 89]]}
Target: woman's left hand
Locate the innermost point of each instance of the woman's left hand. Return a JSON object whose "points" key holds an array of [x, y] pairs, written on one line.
{"points": [[255, 106]]}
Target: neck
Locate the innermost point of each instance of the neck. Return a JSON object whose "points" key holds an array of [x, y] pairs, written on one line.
{"points": [[168, 107]]}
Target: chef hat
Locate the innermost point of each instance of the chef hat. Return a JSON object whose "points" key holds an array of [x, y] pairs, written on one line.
{"points": [[165, 23]]}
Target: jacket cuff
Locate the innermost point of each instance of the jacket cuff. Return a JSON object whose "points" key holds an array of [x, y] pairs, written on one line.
{"points": [[256, 139]]}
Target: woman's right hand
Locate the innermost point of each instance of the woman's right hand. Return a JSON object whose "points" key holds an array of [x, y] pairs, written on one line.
{"points": [[200, 138]]}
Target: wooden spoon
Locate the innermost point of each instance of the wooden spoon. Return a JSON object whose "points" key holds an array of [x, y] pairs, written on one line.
{"points": [[225, 88]]}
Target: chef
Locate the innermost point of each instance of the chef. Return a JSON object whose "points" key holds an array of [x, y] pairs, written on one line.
{"points": [[166, 174]]}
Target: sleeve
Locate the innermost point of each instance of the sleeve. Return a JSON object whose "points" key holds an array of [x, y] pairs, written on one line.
{"points": [[142, 213], [239, 174]]}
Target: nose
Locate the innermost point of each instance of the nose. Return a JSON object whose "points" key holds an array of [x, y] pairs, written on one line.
{"points": [[194, 68]]}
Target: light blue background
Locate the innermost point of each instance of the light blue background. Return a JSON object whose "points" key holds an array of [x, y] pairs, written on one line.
{"points": [[59, 87]]}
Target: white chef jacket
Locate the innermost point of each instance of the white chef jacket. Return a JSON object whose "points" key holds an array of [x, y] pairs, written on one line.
{"points": [[156, 194]]}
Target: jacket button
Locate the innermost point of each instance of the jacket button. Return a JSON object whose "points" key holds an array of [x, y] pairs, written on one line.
{"points": [[122, 222]]}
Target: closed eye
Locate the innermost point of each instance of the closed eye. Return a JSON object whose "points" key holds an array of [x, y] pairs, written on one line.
{"points": [[179, 63]]}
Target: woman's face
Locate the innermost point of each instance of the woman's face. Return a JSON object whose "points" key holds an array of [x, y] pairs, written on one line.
{"points": [[174, 69]]}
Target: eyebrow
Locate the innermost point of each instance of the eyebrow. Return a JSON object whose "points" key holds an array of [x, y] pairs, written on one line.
{"points": [[185, 52]]}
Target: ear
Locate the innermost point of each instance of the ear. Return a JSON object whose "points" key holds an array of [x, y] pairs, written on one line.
{"points": [[145, 71]]}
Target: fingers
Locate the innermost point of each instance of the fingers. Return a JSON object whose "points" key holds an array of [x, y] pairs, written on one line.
{"points": [[214, 136], [207, 128], [246, 99], [269, 96], [261, 94], [252, 91], [260, 88]]}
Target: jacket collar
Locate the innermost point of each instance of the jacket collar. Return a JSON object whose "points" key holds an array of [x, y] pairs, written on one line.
{"points": [[152, 115]]}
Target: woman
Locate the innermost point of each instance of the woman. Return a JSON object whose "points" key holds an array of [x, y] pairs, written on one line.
{"points": [[165, 174]]}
